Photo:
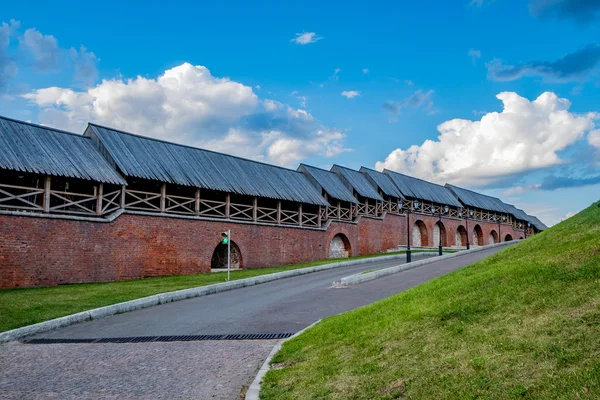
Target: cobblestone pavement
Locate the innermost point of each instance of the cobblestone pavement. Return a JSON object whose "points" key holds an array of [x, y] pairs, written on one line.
{"points": [[174, 370]]}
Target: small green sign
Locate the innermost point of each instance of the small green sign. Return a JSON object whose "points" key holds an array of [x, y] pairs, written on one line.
{"points": [[224, 240]]}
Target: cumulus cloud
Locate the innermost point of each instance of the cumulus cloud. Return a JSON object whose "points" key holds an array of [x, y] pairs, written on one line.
{"points": [[418, 100], [576, 66], [85, 61], [525, 136], [582, 11], [594, 138], [8, 67], [350, 94], [365, 71], [187, 104], [305, 38], [43, 49], [475, 55]]}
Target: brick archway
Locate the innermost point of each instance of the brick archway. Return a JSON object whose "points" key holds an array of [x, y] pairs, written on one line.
{"points": [[219, 257], [508, 238], [493, 237], [420, 236], [438, 229], [460, 238], [477, 235], [340, 247]]}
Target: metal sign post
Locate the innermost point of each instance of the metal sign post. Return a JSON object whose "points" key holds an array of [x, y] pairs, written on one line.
{"points": [[228, 253]]}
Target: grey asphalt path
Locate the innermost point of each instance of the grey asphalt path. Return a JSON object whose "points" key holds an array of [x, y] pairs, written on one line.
{"points": [[286, 305]]}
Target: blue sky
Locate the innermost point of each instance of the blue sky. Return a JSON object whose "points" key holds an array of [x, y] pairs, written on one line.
{"points": [[350, 84]]}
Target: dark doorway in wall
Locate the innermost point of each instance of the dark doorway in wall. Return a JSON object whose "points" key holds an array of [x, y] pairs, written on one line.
{"points": [[340, 247], [219, 257], [461, 236], [420, 237], [478, 236], [493, 238], [508, 238], [437, 229]]}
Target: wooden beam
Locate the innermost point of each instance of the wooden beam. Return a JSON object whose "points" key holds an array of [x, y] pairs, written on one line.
{"points": [[123, 193], [99, 199], [163, 197], [197, 202], [300, 214], [319, 217], [279, 211], [228, 205], [47, 194], [339, 210], [255, 209]]}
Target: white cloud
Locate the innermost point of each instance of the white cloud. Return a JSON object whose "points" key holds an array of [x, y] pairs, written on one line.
{"points": [[594, 138], [335, 74], [409, 82], [365, 71], [475, 55], [525, 136], [257, 87], [85, 61], [350, 94], [417, 100], [43, 48], [8, 67], [188, 105], [305, 38]]}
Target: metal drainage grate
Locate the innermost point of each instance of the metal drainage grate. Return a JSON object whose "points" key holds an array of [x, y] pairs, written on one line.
{"points": [[145, 339]]}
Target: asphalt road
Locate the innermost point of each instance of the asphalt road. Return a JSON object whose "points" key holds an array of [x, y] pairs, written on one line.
{"points": [[282, 306]]}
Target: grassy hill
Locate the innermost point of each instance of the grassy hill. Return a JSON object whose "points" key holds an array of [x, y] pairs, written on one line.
{"points": [[524, 323]]}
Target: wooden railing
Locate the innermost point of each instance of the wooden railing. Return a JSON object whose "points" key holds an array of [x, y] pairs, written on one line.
{"points": [[23, 198], [73, 203]]}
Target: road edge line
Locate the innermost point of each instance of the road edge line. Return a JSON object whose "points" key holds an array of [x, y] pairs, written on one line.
{"points": [[253, 391], [168, 297], [356, 279]]}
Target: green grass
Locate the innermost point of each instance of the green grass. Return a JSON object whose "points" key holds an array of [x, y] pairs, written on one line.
{"points": [[21, 307], [524, 323]]}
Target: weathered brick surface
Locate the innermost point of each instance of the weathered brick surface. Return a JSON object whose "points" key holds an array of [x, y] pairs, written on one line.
{"points": [[45, 252]]}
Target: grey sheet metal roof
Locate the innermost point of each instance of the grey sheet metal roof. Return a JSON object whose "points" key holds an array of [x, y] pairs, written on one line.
{"points": [[382, 181], [539, 225], [329, 182], [148, 158], [517, 213], [420, 189], [358, 182], [478, 200], [38, 149]]}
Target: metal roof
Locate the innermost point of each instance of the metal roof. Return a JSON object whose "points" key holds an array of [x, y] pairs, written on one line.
{"points": [[329, 182], [478, 200], [39, 149], [423, 190], [358, 182], [148, 158], [539, 225], [517, 213], [382, 181]]}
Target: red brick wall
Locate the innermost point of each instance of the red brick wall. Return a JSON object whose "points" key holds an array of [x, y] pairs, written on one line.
{"points": [[45, 252]]}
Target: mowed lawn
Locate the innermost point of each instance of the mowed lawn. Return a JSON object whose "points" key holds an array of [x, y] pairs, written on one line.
{"points": [[21, 307], [524, 323]]}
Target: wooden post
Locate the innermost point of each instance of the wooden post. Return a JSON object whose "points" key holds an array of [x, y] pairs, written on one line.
{"points": [[197, 202], [99, 199], [227, 205], [163, 197], [367, 206], [300, 214], [123, 192], [278, 211], [339, 211], [319, 217], [47, 194], [255, 209]]}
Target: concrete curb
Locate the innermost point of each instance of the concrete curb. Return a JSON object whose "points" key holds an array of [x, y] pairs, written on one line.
{"points": [[253, 392], [360, 278], [169, 297]]}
